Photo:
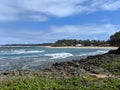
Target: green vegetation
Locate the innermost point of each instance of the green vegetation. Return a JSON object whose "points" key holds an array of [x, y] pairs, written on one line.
{"points": [[113, 66], [115, 39], [74, 83], [74, 42], [110, 63]]}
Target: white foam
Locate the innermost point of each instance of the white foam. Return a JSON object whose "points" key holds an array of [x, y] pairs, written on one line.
{"points": [[59, 55], [35, 51], [21, 52], [25, 67], [94, 53], [5, 65]]}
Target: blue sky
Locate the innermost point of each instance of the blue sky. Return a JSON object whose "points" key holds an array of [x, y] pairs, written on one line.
{"points": [[40, 21]]}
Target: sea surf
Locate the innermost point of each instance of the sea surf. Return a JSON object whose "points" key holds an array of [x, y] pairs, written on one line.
{"points": [[36, 58]]}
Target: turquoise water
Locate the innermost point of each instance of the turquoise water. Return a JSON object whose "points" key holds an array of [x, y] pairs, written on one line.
{"points": [[36, 58]]}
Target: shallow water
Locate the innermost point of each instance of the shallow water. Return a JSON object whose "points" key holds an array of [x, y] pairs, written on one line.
{"points": [[36, 58]]}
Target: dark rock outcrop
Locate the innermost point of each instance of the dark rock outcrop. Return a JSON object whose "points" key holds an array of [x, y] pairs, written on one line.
{"points": [[114, 51], [17, 73]]}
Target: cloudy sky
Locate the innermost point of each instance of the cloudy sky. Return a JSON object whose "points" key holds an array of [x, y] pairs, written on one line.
{"points": [[40, 21]]}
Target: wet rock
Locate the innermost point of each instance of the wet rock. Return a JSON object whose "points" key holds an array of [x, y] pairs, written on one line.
{"points": [[5, 73], [17, 73], [97, 70], [114, 51]]}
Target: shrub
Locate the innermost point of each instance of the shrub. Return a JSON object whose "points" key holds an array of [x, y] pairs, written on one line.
{"points": [[115, 39]]}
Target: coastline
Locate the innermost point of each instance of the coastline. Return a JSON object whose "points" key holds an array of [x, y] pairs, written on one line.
{"points": [[87, 47], [90, 72], [92, 65], [83, 47]]}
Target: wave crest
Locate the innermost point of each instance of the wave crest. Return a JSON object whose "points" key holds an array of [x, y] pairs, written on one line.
{"points": [[59, 55], [21, 52], [94, 53]]}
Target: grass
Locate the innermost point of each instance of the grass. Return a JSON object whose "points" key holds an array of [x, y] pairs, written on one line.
{"points": [[73, 83]]}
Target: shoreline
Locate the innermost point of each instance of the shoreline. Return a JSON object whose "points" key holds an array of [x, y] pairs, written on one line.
{"points": [[83, 47], [73, 68], [90, 71], [88, 47]]}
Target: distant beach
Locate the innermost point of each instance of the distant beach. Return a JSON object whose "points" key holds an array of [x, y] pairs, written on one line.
{"points": [[83, 47], [87, 47]]}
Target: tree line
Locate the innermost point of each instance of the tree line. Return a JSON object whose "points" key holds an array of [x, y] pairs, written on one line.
{"points": [[114, 40], [74, 42]]}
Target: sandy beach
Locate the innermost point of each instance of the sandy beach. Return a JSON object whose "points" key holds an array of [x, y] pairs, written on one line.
{"points": [[88, 47]]}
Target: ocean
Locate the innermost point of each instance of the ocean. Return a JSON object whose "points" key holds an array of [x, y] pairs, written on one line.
{"points": [[37, 58]]}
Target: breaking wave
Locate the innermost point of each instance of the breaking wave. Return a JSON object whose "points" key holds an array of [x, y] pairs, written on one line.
{"points": [[21, 52], [59, 55], [94, 53]]}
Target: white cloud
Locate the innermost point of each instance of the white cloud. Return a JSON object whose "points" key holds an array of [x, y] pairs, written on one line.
{"points": [[7, 11], [54, 33], [38, 17], [111, 6], [81, 31], [42, 9]]}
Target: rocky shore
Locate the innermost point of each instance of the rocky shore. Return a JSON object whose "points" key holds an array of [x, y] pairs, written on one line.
{"points": [[106, 65]]}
